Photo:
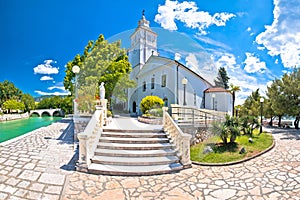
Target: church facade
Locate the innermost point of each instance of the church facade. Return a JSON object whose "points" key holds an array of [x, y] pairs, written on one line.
{"points": [[169, 79]]}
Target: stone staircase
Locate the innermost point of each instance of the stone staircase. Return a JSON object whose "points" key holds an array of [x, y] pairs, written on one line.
{"points": [[134, 152]]}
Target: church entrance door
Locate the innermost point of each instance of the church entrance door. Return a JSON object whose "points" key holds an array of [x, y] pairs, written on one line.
{"points": [[134, 107]]}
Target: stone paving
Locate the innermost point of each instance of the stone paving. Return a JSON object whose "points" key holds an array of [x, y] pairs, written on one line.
{"points": [[36, 166], [274, 175], [40, 166]]}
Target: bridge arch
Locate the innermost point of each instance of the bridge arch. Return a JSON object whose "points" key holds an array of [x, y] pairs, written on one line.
{"points": [[46, 113], [49, 112]]}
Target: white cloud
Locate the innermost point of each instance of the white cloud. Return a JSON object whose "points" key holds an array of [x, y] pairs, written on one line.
{"points": [[282, 38], [187, 13], [227, 61], [192, 62], [249, 29], [238, 76], [46, 68], [177, 56], [261, 48], [56, 87], [210, 41], [46, 78], [52, 93], [253, 64]]}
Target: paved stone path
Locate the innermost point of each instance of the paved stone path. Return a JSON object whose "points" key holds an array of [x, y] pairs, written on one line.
{"points": [[35, 166], [275, 175], [39, 166]]}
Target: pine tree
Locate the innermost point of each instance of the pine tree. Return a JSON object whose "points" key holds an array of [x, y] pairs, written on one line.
{"points": [[222, 78]]}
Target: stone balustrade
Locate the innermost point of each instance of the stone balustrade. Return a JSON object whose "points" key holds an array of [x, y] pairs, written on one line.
{"points": [[179, 139], [89, 138]]}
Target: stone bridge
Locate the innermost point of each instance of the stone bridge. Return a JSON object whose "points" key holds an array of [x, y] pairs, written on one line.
{"points": [[49, 112]]}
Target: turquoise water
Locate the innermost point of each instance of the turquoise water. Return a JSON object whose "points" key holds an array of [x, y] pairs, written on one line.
{"points": [[12, 129]]}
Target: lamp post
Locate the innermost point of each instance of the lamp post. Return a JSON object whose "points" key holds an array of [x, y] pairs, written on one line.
{"points": [[261, 111], [76, 70], [184, 83], [213, 100]]}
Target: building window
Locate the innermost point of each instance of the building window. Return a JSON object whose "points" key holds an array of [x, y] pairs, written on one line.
{"points": [[163, 80], [144, 86], [152, 83]]}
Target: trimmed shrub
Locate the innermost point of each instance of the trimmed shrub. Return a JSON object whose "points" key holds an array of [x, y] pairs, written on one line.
{"points": [[151, 102]]}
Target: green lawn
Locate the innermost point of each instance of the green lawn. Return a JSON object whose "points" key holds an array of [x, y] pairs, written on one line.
{"points": [[230, 153]]}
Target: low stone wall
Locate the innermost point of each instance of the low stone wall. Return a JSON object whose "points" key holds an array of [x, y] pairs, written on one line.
{"points": [[80, 124], [9, 117], [198, 134]]}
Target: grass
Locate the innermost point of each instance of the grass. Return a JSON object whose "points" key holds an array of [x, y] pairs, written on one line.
{"points": [[230, 152]]}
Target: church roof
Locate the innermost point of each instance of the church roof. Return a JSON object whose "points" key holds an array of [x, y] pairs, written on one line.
{"points": [[168, 61], [216, 89]]}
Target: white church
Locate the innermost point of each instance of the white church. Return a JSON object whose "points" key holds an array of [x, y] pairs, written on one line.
{"points": [[169, 79]]}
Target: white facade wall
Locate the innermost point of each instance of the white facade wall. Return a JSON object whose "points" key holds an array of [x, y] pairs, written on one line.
{"points": [[156, 67], [220, 101]]}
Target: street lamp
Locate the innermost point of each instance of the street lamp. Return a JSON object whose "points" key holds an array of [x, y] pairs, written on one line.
{"points": [[76, 70], [184, 83], [261, 111], [213, 100]]}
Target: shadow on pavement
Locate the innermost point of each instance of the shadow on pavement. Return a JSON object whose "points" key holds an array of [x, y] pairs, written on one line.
{"points": [[287, 133]]}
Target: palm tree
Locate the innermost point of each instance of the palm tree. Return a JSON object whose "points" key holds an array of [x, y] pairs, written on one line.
{"points": [[233, 90]]}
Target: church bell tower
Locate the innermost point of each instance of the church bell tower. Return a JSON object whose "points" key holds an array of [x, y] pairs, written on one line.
{"points": [[143, 43]]}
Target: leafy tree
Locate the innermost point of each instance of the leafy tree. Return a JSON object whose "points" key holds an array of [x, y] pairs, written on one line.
{"points": [[234, 89], [13, 105], [222, 78], [50, 102], [251, 105], [291, 90], [101, 62], [67, 104], [9, 91], [28, 101], [278, 101]]}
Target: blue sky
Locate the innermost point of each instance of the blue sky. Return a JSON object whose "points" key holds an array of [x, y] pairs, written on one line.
{"points": [[255, 40]]}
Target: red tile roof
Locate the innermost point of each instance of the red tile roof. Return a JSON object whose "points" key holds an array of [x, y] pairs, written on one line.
{"points": [[216, 89]]}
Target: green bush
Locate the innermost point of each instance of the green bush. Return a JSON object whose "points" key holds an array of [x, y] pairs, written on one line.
{"points": [[229, 128], [109, 113], [151, 102], [249, 124]]}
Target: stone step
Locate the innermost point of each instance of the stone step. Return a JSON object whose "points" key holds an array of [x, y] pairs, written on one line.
{"points": [[155, 146], [133, 130], [134, 161], [133, 140], [95, 168], [134, 134], [135, 153]]}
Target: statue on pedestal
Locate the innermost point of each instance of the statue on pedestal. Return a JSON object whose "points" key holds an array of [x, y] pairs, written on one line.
{"points": [[102, 91]]}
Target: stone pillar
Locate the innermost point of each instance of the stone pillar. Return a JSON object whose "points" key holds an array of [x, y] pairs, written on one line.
{"points": [[165, 109], [175, 112], [82, 148], [185, 157]]}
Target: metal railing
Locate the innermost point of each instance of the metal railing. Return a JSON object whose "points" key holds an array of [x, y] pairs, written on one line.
{"points": [[194, 117]]}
